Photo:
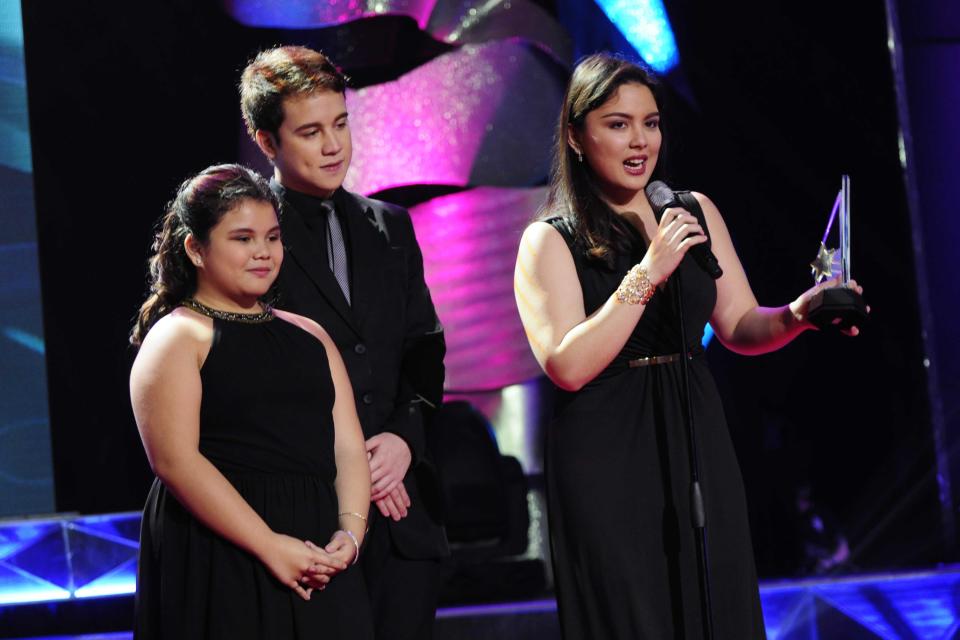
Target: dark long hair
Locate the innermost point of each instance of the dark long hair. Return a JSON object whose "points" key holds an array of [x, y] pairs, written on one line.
{"points": [[573, 190], [200, 203]]}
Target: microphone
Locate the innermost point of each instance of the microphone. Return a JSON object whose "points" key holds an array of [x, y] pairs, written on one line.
{"points": [[663, 197]]}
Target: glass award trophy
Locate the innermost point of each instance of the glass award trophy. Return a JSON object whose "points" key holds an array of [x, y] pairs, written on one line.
{"points": [[838, 306]]}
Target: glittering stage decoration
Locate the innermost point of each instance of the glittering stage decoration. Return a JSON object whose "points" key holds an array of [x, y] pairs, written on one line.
{"points": [[465, 21], [469, 243], [452, 21], [298, 14], [645, 25], [480, 115]]}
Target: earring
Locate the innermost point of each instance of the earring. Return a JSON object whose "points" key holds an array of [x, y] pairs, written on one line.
{"points": [[579, 157]]}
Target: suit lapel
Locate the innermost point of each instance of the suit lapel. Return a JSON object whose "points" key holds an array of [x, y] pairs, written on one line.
{"points": [[299, 245]]}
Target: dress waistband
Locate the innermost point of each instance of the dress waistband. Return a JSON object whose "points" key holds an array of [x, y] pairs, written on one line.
{"points": [[673, 357]]}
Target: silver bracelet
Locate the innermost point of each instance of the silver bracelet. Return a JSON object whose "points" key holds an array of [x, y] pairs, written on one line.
{"points": [[356, 544]]}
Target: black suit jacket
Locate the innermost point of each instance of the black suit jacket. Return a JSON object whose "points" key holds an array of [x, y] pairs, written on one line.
{"points": [[390, 338]]}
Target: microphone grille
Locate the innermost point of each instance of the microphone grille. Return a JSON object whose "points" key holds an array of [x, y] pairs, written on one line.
{"points": [[660, 195]]}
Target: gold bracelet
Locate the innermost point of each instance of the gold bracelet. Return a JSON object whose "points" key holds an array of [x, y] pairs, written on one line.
{"points": [[352, 513], [366, 527], [636, 287]]}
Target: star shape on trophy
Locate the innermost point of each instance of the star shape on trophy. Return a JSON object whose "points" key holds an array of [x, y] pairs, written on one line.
{"points": [[822, 266]]}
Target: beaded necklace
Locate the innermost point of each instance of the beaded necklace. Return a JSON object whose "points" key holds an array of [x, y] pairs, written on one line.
{"points": [[232, 316]]}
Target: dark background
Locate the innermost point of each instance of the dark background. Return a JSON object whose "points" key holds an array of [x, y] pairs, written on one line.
{"points": [[774, 102]]}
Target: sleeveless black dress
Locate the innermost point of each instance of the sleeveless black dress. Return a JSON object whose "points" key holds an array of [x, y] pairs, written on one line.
{"points": [[617, 472], [266, 424]]}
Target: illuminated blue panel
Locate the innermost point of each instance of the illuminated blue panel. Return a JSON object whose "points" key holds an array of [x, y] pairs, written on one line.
{"points": [[920, 605], [14, 125], [26, 470], [99, 636], [47, 559], [95, 556], [17, 536], [65, 558], [19, 587], [851, 600], [120, 581], [785, 611], [124, 527], [645, 25]]}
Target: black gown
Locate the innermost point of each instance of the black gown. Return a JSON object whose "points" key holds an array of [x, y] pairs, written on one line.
{"points": [[266, 424], [617, 471]]}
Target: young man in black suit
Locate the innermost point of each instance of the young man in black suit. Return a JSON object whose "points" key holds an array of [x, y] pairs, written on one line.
{"points": [[353, 264]]}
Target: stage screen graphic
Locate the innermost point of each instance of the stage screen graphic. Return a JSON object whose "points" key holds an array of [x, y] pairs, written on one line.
{"points": [[26, 476]]}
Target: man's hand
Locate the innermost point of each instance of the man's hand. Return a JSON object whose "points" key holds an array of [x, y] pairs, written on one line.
{"points": [[389, 458], [394, 504]]}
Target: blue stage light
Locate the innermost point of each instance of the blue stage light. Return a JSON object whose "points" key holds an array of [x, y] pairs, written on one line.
{"points": [[26, 339], [645, 25], [920, 605], [707, 336], [26, 595], [916, 605], [65, 558], [124, 582]]}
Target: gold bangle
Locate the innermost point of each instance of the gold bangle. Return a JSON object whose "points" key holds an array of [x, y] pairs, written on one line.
{"points": [[366, 527], [352, 513], [636, 287]]}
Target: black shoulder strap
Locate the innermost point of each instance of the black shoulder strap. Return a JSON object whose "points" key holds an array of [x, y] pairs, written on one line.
{"points": [[564, 225], [691, 204]]}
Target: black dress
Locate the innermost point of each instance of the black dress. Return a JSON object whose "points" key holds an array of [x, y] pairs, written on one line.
{"points": [[617, 472], [266, 424]]}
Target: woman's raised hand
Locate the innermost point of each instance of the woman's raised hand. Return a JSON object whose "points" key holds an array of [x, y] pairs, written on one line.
{"points": [[678, 231]]}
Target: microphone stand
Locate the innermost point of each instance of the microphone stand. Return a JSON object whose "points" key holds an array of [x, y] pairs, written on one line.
{"points": [[698, 515]]}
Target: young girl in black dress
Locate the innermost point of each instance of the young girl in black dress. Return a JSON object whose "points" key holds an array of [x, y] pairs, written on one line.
{"points": [[247, 418]]}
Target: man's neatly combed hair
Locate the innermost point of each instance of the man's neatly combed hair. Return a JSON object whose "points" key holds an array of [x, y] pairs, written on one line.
{"points": [[278, 73]]}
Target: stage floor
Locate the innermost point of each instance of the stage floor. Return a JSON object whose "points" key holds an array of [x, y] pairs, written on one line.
{"points": [[84, 563]]}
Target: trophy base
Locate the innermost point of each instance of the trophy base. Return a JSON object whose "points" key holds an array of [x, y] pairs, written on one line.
{"points": [[838, 307]]}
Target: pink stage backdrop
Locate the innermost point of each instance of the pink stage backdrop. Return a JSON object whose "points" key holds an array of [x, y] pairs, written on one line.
{"points": [[480, 115], [469, 243], [301, 14], [453, 21]]}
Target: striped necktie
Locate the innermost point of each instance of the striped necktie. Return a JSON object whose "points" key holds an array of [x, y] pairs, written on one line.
{"points": [[336, 249]]}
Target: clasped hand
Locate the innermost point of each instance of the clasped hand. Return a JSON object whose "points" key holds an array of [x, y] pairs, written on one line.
{"points": [[303, 566], [389, 458]]}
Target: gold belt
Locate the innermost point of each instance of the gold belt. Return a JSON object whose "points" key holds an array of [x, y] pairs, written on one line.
{"points": [[646, 362], [673, 357]]}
